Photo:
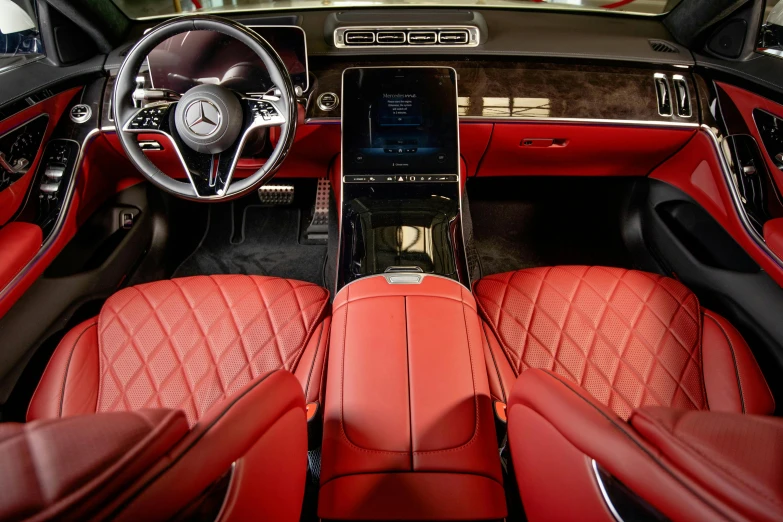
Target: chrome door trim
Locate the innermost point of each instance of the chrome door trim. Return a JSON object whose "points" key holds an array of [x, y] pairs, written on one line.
{"points": [[735, 197]]}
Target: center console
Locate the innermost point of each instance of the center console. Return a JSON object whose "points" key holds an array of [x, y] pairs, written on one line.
{"points": [[409, 430], [400, 179]]}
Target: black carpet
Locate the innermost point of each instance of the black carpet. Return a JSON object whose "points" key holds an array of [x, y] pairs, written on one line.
{"points": [[530, 222], [255, 240]]}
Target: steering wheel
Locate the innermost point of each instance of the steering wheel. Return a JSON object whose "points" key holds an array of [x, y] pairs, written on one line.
{"points": [[209, 125]]}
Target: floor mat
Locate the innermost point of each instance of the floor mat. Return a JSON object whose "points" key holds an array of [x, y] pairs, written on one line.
{"points": [[255, 240], [529, 222]]}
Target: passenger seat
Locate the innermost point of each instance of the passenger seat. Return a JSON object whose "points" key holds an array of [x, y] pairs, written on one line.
{"points": [[635, 392]]}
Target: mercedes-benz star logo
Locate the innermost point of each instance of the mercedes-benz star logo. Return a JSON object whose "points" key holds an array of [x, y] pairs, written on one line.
{"points": [[202, 117]]}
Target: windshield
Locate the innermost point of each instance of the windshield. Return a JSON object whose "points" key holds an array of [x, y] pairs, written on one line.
{"points": [[154, 8]]}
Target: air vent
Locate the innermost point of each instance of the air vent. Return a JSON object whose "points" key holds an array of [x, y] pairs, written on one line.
{"points": [[390, 37], [682, 96], [659, 46], [664, 95], [422, 37], [453, 37], [359, 38]]}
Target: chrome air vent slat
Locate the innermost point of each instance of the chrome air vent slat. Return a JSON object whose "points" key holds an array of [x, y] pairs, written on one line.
{"points": [[422, 37], [408, 36], [390, 37], [453, 37], [359, 37], [682, 96], [664, 94]]}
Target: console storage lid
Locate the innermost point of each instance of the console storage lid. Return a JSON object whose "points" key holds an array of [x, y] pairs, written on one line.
{"points": [[409, 430]]}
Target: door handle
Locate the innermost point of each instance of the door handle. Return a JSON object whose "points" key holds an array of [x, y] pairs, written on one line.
{"points": [[543, 142]]}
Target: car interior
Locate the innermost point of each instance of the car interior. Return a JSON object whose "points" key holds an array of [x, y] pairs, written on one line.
{"points": [[307, 260]]}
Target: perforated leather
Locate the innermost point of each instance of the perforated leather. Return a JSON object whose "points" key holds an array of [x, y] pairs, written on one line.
{"points": [[188, 343], [629, 338]]}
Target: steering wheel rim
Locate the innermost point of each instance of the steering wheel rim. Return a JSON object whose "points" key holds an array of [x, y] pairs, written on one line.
{"points": [[217, 168]]}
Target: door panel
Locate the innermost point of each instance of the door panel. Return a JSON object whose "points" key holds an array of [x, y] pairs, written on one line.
{"points": [[674, 234], [697, 171], [747, 105], [12, 196]]}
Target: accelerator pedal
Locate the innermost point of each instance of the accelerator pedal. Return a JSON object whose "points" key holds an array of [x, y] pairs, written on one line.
{"points": [[318, 229], [276, 195]]}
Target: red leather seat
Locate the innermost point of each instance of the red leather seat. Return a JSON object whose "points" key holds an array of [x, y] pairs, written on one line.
{"points": [[620, 370], [215, 348], [629, 338], [186, 344]]}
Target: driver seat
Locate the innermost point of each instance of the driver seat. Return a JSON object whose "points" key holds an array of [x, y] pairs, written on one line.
{"points": [[215, 350], [186, 344]]}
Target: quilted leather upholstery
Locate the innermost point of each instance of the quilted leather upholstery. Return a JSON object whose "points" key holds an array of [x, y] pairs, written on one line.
{"points": [[188, 343], [629, 338]]}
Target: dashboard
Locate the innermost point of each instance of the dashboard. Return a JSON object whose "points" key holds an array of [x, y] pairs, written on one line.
{"points": [[511, 65]]}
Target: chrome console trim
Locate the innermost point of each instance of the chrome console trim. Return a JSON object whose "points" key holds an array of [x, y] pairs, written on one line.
{"points": [[527, 119], [423, 276]]}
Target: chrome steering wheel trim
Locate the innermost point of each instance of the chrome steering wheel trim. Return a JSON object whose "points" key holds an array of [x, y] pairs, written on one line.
{"points": [[210, 175]]}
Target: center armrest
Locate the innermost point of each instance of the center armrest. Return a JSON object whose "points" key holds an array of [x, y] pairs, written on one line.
{"points": [[409, 429]]}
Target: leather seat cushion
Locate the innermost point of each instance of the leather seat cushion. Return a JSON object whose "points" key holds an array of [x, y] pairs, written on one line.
{"points": [[629, 338], [184, 344]]}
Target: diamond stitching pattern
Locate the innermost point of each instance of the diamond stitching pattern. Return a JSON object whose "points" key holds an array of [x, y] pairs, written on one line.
{"points": [[191, 342], [629, 338]]}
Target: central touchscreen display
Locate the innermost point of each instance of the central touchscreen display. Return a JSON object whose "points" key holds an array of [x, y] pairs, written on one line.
{"points": [[400, 121]]}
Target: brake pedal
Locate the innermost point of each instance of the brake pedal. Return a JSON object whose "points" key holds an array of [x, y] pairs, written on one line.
{"points": [[276, 195], [318, 229]]}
